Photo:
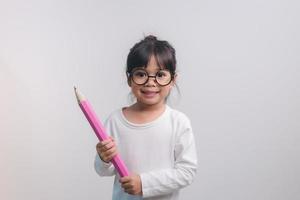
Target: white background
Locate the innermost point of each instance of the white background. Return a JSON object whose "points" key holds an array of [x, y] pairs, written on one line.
{"points": [[239, 76]]}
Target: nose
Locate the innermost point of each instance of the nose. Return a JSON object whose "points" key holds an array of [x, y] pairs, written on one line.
{"points": [[151, 81]]}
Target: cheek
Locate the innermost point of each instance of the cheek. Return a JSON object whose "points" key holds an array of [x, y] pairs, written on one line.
{"points": [[135, 89], [166, 90]]}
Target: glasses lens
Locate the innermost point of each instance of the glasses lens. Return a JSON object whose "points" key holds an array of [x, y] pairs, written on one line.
{"points": [[139, 76], [163, 77]]}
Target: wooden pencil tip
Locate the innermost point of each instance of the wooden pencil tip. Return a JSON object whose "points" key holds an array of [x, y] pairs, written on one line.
{"points": [[79, 96]]}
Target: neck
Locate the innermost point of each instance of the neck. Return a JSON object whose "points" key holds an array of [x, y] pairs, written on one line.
{"points": [[144, 107]]}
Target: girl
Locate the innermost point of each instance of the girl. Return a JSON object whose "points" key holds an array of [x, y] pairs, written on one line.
{"points": [[155, 141]]}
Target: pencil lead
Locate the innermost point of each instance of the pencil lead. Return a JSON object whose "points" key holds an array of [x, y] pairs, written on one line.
{"points": [[79, 96]]}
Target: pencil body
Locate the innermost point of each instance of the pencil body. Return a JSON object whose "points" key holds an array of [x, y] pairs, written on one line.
{"points": [[100, 133]]}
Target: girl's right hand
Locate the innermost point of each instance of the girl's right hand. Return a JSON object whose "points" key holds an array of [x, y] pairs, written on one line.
{"points": [[107, 149]]}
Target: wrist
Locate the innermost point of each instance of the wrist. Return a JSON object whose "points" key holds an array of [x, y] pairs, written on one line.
{"points": [[102, 159]]}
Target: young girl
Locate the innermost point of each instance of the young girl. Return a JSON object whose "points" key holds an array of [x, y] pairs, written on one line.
{"points": [[155, 141]]}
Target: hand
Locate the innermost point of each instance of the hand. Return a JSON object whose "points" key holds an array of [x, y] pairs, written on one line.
{"points": [[107, 149], [132, 184]]}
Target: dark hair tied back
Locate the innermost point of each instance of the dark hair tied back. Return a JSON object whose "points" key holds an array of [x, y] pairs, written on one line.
{"points": [[150, 38]]}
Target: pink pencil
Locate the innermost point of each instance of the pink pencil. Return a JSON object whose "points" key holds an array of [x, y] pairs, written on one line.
{"points": [[99, 130]]}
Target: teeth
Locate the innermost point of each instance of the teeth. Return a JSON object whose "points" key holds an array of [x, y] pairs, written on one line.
{"points": [[149, 93]]}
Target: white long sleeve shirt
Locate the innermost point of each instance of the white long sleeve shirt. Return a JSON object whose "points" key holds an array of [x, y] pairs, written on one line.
{"points": [[162, 152]]}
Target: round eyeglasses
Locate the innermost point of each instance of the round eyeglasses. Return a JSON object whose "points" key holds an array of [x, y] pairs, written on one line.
{"points": [[162, 77]]}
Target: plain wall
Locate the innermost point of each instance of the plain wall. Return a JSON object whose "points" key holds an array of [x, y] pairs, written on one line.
{"points": [[239, 76]]}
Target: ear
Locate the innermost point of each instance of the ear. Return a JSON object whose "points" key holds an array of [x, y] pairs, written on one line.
{"points": [[174, 80], [128, 80]]}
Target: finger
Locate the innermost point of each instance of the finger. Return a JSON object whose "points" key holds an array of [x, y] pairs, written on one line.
{"points": [[127, 185], [108, 146], [112, 155], [100, 149], [110, 151], [104, 158], [124, 179], [98, 146], [104, 142]]}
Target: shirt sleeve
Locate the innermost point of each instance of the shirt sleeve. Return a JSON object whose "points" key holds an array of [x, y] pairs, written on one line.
{"points": [[102, 168], [166, 181]]}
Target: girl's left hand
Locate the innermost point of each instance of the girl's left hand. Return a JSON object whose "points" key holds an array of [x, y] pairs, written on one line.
{"points": [[132, 184]]}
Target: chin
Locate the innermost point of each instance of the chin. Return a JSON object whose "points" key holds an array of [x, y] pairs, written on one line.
{"points": [[148, 101]]}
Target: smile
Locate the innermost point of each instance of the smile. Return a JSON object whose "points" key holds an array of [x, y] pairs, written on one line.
{"points": [[149, 93]]}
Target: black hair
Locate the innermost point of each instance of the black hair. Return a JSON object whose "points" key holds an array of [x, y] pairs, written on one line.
{"points": [[141, 52]]}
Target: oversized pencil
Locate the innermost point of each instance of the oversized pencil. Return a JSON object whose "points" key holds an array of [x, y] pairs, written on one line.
{"points": [[99, 130]]}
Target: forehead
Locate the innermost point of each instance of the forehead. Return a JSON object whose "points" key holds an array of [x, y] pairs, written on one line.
{"points": [[153, 65]]}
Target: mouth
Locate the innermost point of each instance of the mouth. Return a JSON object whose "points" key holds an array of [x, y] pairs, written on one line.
{"points": [[149, 93]]}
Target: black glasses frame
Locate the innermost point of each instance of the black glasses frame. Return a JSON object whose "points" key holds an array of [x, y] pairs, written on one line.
{"points": [[129, 74]]}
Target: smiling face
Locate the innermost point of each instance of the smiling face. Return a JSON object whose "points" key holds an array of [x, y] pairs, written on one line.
{"points": [[151, 93]]}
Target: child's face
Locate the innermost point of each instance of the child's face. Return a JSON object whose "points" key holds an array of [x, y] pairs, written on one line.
{"points": [[151, 93]]}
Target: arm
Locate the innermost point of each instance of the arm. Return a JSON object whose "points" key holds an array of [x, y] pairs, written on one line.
{"points": [[102, 168], [182, 174]]}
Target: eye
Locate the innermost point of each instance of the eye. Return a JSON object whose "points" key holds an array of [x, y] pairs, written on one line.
{"points": [[139, 74], [161, 74]]}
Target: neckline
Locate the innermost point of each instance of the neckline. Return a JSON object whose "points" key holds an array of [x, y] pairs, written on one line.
{"points": [[143, 125]]}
